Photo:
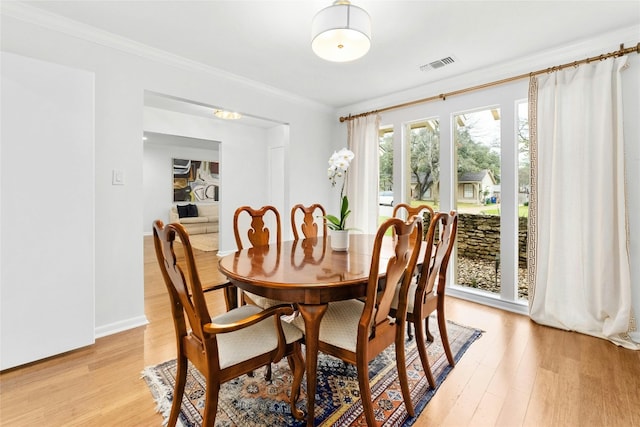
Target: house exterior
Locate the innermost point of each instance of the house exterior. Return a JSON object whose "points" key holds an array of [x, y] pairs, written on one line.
{"points": [[473, 187], [476, 187]]}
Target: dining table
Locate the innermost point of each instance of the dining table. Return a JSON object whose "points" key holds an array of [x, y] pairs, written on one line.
{"points": [[309, 274]]}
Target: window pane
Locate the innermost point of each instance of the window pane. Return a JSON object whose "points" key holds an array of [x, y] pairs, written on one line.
{"points": [[524, 186], [468, 191], [424, 165], [385, 147], [477, 198]]}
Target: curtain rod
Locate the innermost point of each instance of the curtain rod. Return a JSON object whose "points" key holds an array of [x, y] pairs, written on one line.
{"points": [[620, 52]]}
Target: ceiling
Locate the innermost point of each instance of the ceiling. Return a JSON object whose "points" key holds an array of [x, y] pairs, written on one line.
{"points": [[269, 41]]}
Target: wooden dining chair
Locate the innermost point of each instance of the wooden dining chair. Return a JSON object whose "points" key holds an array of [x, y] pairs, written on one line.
{"points": [[425, 212], [427, 293], [357, 331], [404, 210], [257, 234], [217, 346], [308, 222]]}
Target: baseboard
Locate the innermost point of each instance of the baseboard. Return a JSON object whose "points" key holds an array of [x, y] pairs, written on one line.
{"points": [[518, 307], [123, 325]]}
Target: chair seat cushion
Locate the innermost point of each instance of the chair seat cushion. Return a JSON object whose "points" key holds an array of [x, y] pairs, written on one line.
{"points": [[238, 346], [339, 326]]}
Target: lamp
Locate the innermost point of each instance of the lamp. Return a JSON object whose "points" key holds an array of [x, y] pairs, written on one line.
{"points": [[341, 32], [227, 115]]}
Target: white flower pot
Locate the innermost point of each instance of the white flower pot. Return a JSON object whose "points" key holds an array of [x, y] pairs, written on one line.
{"points": [[339, 240]]}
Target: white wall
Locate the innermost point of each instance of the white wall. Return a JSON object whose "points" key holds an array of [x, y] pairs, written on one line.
{"points": [[47, 201], [122, 75]]}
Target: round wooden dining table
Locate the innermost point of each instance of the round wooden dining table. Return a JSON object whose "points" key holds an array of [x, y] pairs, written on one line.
{"points": [[309, 273]]}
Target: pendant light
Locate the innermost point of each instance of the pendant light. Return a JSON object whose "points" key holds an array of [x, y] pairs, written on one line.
{"points": [[341, 32]]}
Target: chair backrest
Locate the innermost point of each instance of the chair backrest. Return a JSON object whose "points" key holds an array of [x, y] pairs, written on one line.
{"points": [[186, 294], [258, 233], [309, 224], [444, 226], [407, 241], [404, 210]]}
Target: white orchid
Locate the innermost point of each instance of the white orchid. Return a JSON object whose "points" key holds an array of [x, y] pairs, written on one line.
{"points": [[338, 164]]}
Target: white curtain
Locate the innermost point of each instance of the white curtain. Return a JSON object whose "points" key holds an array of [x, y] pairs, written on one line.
{"points": [[362, 183], [579, 270]]}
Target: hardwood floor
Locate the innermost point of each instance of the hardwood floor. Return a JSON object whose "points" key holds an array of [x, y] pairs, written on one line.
{"points": [[517, 374]]}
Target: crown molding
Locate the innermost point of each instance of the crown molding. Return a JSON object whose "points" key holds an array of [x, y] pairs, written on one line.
{"points": [[42, 18]]}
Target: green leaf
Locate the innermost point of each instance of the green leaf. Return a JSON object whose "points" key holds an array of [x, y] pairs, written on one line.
{"points": [[345, 206], [333, 222]]}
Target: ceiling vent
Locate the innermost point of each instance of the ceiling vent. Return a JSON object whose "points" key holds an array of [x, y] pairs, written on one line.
{"points": [[437, 64]]}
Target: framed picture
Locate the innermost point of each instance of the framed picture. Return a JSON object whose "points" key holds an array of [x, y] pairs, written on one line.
{"points": [[195, 181]]}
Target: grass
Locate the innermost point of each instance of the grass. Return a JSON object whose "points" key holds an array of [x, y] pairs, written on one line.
{"points": [[523, 211]]}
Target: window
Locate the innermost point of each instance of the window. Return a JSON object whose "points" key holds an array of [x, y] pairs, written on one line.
{"points": [[423, 174], [477, 142], [468, 191], [385, 143], [458, 156], [524, 186]]}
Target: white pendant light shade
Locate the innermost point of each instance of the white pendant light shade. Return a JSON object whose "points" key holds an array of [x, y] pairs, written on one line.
{"points": [[341, 32]]}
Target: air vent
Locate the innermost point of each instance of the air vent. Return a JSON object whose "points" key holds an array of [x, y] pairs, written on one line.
{"points": [[437, 64]]}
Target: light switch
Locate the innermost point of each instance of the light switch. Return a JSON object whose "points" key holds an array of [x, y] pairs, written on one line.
{"points": [[117, 177]]}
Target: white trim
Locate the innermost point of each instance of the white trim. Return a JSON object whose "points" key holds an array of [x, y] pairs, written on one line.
{"points": [[36, 16], [122, 325], [485, 298]]}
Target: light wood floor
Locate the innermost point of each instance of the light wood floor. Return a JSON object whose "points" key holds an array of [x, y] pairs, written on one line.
{"points": [[518, 373]]}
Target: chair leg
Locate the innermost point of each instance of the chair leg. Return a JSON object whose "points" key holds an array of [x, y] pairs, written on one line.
{"points": [[409, 333], [422, 351], [365, 391], [210, 402], [178, 391], [442, 326], [426, 329], [401, 364], [296, 363], [267, 373]]}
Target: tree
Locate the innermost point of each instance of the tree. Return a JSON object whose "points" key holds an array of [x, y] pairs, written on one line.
{"points": [[425, 156], [386, 160], [474, 156], [473, 151]]}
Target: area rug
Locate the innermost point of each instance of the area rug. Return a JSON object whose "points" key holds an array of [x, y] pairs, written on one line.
{"points": [[205, 242], [253, 401]]}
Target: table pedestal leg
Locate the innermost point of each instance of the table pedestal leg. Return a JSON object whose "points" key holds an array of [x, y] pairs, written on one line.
{"points": [[312, 315]]}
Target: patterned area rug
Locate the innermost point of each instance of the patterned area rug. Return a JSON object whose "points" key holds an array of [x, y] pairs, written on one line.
{"points": [[252, 401]]}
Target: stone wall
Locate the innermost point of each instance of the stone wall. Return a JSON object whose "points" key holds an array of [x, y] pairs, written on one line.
{"points": [[479, 237]]}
